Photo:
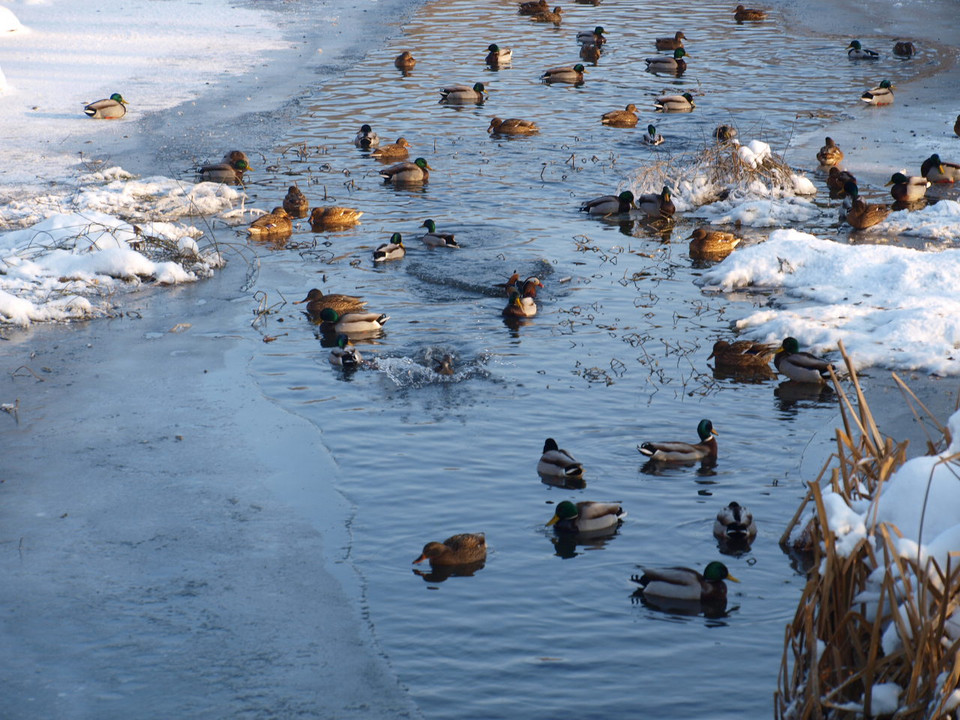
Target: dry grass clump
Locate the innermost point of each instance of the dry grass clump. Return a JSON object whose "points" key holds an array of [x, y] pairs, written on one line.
{"points": [[833, 652]]}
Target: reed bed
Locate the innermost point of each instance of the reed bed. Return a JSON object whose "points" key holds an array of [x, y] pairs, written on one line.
{"points": [[834, 661]]}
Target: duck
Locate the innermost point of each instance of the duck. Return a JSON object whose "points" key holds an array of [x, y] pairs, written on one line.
{"points": [[621, 118], [904, 48], [711, 244], [392, 250], [837, 180], [437, 239], [444, 366], [742, 14], [830, 154], [680, 583], [956, 127], [907, 189], [393, 151], [724, 133], [609, 204], [590, 53], [882, 94], [564, 74], [556, 462], [528, 291], [344, 354], [519, 307], [231, 156], [496, 56], [316, 302], [333, 217], [512, 126], [366, 138], [742, 354], [555, 16], [462, 549], [855, 51], [735, 523], [295, 203], [683, 452], [532, 8], [651, 136], [407, 173], [799, 366], [510, 286], [936, 170], [111, 108], [228, 173], [668, 43], [657, 205], [463, 94], [862, 215], [668, 64], [405, 61], [355, 323], [592, 37], [274, 224], [675, 103], [586, 516]]}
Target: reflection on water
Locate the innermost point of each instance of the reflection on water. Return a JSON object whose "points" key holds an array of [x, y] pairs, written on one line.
{"points": [[618, 348]]}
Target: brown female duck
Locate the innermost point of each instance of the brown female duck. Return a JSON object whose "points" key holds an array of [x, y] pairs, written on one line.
{"points": [[830, 154], [333, 217], [316, 302], [295, 203], [460, 549], [621, 118], [711, 244]]}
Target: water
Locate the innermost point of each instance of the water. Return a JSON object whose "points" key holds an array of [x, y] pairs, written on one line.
{"points": [[616, 355]]}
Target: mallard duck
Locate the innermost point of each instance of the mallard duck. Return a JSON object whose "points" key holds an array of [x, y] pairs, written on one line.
{"points": [[437, 239], [352, 323], [274, 224], [742, 14], [366, 138], [564, 74], [394, 151], [882, 94], [799, 366], [651, 136], [532, 8], [457, 550], [555, 17], [680, 583], [936, 170], [904, 48], [857, 52], [518, 306], [405, 61], [586, 516], [735, 523], [711, 244], [555, 462], [592, 37], [862, 215], [609, 204], [463, 94], [407, 173], [392, 250], [316, 302], [228, 173], [512, 126], [344, 354], [681, 452], [444, 366], [621, 118], [837, 180], [724, 133], [657, 205], [111, 108], [667, 64], [496, 56], [742, 355], [231, 156], [907, 189], [295, 203], [668, 43], [830, 154], [590, 53], [675, 103], [333, 217]]}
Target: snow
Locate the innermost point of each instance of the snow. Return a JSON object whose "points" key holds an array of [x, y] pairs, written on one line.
{"points": [[884, 699]]}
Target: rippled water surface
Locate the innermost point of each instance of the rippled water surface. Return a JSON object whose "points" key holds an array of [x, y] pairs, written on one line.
{"points": [[616, 355]]}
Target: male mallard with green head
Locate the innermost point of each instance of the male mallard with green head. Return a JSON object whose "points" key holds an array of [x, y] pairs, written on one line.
{"points": [[936, 170], [228, 173], [433, 238], [657, 205], [556, 462], [882, 94], [592, 37], [855, 51], [651, 136], [674, 64], [344, 354], [609, 204], [675, 103], [112, 108], [407, 173], [626, 118], [681, 452], [564, 74], [586, 516], [463, 94], [366, 138], [497, 57], [352, 323], [680, 583], [800, 366], [907, 189], [391, 250], [461, 549]]}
